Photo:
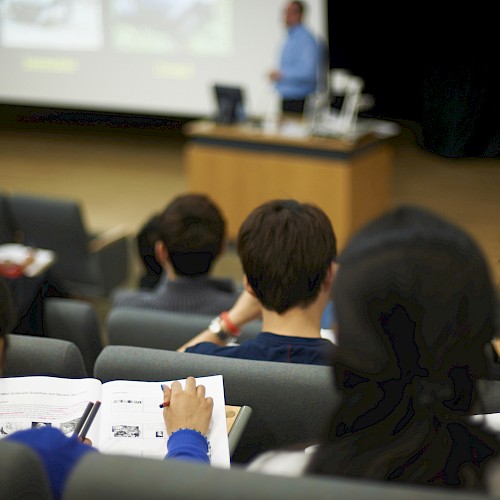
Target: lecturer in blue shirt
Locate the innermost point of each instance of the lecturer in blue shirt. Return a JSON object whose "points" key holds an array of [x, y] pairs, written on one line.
{"points": [[296, 77]]}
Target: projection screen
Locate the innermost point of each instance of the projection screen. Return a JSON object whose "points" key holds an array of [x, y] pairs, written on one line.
{"points": [[158, 57]]}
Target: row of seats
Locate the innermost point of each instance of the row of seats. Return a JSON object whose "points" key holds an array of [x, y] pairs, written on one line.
{"points": [[86, 264], [281, 395], [161, 329], [78, 321], [291, 404], [101, 477]]}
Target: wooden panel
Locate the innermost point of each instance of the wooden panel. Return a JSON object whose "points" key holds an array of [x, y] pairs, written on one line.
{"points": [[242, 167], [241, 180], [371, 186]]}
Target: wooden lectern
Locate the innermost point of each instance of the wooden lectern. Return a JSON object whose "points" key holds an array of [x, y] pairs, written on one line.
{"points": [[241, 166]]}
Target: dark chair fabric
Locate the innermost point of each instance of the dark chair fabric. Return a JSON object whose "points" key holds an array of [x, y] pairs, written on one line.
{"points": [[290, 403], [86, 265], [7, 227], [76, 321], [160, 329], [22, 474], [30, 355]]}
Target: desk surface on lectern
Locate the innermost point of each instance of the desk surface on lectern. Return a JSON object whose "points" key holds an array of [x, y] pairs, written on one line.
{"points": [[291, 139]]}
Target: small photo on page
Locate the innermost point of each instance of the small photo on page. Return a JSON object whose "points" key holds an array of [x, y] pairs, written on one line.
{"points": [[40, 425], [69, 427], [126, 431]]}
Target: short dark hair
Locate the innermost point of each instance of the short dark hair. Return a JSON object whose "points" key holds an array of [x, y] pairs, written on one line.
{"points": [[300, 5], [193, 230], [285, 248]]}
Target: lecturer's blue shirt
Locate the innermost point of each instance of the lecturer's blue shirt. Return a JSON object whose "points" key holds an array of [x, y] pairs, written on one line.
{"points": [[298, 64]]}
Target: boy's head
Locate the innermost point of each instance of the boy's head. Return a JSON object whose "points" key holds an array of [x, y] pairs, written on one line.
{"points": [[192, 230], [286, 249]]}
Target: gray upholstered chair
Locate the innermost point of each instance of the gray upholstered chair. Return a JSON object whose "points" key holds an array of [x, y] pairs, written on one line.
{"points": [[77, 321], [22, 474], [29, 355], [101, 477], [290, 403], [488, 400], [160, 329], [7, 228], [86, 265]]}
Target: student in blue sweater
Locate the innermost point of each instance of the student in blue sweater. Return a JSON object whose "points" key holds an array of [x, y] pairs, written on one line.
{"points": [[187, 418]]}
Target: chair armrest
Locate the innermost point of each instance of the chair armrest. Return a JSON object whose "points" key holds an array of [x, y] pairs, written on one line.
{"points": [[107, 238], [111, 259], [237, 426]]}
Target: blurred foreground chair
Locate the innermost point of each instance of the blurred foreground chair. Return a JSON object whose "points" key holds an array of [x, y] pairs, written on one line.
{"points": [[29, 355], [22, 474], [86, 264], [290, 403], [160, 329], [76, 321], [101, 477]]}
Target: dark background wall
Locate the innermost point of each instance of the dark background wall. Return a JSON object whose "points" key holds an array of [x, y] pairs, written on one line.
{"points": [[435, 64]]}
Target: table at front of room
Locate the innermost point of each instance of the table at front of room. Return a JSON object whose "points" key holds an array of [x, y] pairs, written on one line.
{"points": [[240, 167]]}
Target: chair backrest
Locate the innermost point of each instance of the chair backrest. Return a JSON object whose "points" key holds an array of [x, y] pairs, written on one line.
{"points": [[56, 225], [22, 474], [291, 403], [160, 329], [76, 321], [29, 355], [488, 400], [7, 227], [100, 477]]}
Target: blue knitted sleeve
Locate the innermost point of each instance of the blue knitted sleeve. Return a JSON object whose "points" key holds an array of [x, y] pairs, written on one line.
{"points": [[189, 445]]}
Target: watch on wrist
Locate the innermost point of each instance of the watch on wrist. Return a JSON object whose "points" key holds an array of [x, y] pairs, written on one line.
{"points": [[215, 327]]}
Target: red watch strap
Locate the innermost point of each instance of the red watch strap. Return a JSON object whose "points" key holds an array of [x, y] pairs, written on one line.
{"points": [[224, 316]]}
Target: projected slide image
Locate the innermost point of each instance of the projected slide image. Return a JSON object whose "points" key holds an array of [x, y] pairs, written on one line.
{"points": [[51, 24], [167, 26]]}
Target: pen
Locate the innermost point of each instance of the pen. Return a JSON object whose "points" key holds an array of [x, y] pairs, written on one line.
{"points": [[80, 423], [88, 423], [165, 403]]}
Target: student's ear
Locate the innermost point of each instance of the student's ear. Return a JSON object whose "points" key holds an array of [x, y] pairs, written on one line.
{"points": [[161, 252], [330, 274], [248, 287]]}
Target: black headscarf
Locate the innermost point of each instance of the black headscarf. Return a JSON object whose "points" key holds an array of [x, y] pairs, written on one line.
{"points": [[415, 308]]}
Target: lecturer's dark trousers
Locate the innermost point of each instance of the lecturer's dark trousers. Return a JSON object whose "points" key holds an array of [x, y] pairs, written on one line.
{"points": [[293, 105]]}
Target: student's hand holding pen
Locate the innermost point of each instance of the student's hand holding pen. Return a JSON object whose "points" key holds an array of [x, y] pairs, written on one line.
{"points": [[187, 408]]}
